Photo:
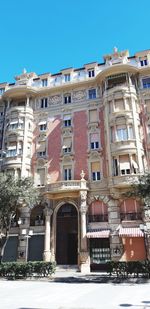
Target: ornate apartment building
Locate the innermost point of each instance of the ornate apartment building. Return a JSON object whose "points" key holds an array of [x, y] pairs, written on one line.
{"points": [[84, 136]]}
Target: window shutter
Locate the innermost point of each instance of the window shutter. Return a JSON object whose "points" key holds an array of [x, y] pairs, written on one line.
{"points": [[95, 166], [93, 115], [94, 137]]}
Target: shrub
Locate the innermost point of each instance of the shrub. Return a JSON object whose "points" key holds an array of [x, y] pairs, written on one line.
{"points": [[125, 269], [15, 270]]}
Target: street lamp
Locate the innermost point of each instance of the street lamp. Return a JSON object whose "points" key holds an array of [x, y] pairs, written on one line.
{"points": [[27, 234]]}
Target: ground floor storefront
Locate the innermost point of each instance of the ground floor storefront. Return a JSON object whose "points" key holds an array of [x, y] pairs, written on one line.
{"points": [[63, 233]]}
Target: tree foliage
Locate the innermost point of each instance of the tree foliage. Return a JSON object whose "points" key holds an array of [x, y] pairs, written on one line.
{"points": [[141, 189], [14, 193]]}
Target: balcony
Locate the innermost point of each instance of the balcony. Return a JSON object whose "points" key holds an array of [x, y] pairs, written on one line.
{"points": [[131, 216], [68, 188], [129, 145], [98, 218], [119, 87], [123, 181]]}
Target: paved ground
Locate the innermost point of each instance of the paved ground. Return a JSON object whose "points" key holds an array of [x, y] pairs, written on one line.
{"points": [[75, 292]]}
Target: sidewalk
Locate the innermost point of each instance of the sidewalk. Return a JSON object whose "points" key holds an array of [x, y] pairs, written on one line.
{"points": [[72, 275]]}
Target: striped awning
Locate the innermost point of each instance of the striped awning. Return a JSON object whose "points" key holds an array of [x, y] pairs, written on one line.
{"points": [[98, 234], [131, 232]]}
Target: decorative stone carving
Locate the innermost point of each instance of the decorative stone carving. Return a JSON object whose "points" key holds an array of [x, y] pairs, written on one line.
{"points": [[82, 174], [84, 257], [54, 100], [41, 162], [94, 155], [79, 95]]}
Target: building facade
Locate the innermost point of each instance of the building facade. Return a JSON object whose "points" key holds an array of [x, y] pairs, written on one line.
{"points": [[84, 136]]}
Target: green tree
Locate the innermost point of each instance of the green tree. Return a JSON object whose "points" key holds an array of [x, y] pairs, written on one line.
{"points": [[141, 189], [14, 193]]}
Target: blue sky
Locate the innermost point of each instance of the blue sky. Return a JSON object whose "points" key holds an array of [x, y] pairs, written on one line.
{"points": [[47, 36]]}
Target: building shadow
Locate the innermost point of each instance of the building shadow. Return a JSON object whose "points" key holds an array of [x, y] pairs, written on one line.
{"points": [[144, 305], [98, 279]]}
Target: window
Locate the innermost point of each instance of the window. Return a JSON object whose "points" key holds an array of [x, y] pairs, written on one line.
{"points": [[67, 173], [11, 152], [146, 82], [43, 127], [67, 98], [143, 62], [91, 73], [15, 125], [40, 177], [124, 165], [66, 145], [122, 134], [67, 121], [2, 90], [95, 170], [95, 176], [44, 103], [92, 94], [131, 136], [93, 115], [115, 167], [41, 149], [94, 140], [67, 78], [44, 82], [42, 154]]}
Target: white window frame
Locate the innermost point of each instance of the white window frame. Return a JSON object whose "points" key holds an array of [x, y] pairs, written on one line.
{"points": [[44, 102], [67, 173], [92, 95], [67, 77], [91, 73], [96, 176], [67, 98], [44, 82]]}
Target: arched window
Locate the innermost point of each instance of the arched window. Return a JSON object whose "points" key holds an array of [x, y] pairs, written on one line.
{"points": [[130, 210], [98, 212]]}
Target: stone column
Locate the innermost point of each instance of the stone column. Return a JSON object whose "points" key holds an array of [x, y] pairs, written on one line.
{"points": [[114, 223], [47, 249], [84, 254]]}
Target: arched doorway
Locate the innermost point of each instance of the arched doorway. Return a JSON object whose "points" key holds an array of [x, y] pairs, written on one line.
{"points": [[67, 235]]}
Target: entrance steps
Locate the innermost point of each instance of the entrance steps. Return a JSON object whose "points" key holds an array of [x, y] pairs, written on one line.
{"points": [[67, 268]]}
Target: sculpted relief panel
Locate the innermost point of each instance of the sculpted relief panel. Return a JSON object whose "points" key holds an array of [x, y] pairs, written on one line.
{"points": [[79, 95]]}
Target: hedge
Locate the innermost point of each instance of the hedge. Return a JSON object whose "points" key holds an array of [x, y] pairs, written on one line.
{"points": [[129, 269], [16, 270]]}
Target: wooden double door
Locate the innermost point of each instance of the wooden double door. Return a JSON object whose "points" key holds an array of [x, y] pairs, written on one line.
{"points": [[67, 235]]}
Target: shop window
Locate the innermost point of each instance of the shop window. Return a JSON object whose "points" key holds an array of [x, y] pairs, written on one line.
{"points": [[100, 251]]}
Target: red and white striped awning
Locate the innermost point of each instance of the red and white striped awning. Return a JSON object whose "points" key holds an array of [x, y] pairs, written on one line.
{"points": [[98, 234], [130, 232]]}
